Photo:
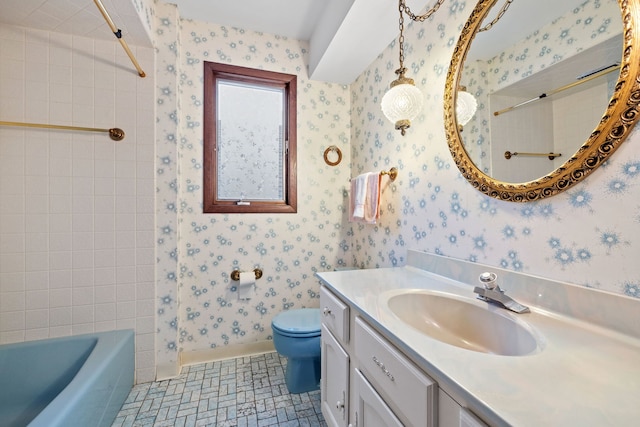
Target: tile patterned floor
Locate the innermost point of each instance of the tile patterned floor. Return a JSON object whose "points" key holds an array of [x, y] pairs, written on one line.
{"points": [[242, 392]]}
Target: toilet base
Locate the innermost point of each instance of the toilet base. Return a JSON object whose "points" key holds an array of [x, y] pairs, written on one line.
{"points": [[302, 374]]}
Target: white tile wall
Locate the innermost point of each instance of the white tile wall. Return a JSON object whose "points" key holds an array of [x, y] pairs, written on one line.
{"points": [[528, 126], [77, 17], [576, 112], [76, 242]]}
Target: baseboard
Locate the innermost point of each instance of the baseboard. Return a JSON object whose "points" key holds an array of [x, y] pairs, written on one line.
{"points": [[167, 371], [226, 352]]}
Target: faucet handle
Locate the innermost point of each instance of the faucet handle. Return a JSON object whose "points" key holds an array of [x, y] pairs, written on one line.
{"points": [[489, 280]]}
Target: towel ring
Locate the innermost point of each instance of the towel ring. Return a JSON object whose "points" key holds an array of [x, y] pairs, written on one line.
{"points": [[335, 150]]}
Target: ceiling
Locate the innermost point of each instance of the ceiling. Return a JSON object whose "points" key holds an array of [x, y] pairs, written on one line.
{"points": [[78, 17], [344, 36], [569, 71], [521, 19]]}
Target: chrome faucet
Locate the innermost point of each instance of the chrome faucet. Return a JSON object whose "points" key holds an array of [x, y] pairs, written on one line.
{"points": [[491, 292]]}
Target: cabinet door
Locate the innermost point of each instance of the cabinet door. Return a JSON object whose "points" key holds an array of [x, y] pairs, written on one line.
{"points": [[468, 419], [334, 383], [371, 411], [451, 414]]}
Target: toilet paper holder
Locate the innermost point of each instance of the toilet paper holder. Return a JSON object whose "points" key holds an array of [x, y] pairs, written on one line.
{"points": [[235, 274]]}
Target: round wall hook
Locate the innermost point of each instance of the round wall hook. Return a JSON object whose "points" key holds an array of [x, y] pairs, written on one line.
{"points": [[332, 148]]}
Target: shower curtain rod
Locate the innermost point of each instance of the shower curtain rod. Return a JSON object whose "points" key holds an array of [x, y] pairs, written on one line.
{"points": [[118, 34], [582, 79], [114, 133]]}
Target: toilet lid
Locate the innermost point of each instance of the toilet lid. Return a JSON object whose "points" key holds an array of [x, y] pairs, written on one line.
{"points": [[302, 321]]}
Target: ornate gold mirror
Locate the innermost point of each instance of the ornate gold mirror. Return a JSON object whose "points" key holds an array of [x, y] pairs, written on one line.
{"points": [[558, 169]]}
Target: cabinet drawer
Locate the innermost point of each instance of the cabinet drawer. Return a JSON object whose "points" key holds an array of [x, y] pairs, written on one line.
{"points": [[407, 389], [335, 315]]}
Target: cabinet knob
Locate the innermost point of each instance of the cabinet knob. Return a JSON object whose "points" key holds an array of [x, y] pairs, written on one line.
{"points": [[340, 405], [326, 311]]}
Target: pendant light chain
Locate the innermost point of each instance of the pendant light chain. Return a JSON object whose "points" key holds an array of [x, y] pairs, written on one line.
{"points": [[426, 15], [403, 8], [403, 101], [401, 69], [504, 8]]}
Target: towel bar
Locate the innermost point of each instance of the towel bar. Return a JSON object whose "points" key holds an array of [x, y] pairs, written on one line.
{"points": [[393, 173]]}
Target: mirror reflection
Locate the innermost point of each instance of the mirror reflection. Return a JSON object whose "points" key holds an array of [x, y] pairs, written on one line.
{"points": [[541, 85]]}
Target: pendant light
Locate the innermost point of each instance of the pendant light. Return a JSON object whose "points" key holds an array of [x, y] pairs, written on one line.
{"points": [[403, 101], [466, 103], [466, 106]]}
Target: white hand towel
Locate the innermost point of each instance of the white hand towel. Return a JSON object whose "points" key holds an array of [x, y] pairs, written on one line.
{"points": [[359, 194]]}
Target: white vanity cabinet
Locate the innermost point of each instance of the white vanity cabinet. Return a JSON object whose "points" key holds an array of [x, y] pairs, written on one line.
{"points": [[398, 365], [368, 382], [334, 382]]}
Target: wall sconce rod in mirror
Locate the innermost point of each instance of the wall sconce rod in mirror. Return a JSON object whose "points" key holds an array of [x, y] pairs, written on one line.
{"points": [[580, 79], [118, 33], [115, 134], [551, 156]]}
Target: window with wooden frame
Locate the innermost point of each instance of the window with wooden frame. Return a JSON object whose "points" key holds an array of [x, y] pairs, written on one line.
{"points": [[249, 140]]}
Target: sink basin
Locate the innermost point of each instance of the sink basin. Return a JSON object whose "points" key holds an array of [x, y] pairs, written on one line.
{"points": [[465, 323]]}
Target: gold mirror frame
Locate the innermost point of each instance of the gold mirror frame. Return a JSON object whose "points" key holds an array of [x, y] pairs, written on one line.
{"points": [[617, 122]]}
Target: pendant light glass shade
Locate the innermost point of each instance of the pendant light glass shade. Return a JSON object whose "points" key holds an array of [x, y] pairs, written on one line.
{"points": [[402, 103], [466, 106]]}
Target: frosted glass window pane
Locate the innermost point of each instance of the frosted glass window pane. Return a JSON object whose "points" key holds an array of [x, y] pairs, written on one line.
{"points": [[251, 142]]}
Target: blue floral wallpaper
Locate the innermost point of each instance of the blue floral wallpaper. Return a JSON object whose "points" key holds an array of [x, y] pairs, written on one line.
{"points": [[198, 304], [167, 135], [587, 236]]}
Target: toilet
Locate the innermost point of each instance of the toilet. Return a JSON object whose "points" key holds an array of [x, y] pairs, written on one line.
{"points": [[296, 336]]}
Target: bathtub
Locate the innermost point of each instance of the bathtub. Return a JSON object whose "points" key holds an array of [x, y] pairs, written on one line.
{"points": [[73, 381]]}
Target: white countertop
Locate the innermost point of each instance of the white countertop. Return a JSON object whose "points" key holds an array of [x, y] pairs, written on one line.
{"points": [[583, 375]]}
